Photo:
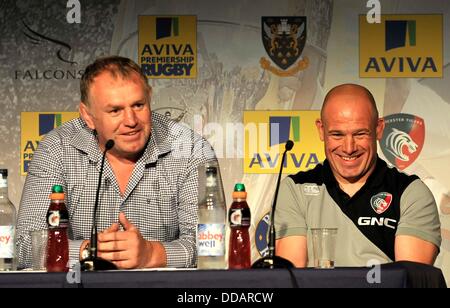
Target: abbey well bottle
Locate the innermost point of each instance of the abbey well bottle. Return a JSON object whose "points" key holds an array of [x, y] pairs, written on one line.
{"points": [[7, 226], [211, 225]]}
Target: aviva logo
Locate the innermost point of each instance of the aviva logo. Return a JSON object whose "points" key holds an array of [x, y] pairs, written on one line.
{"points": [[397, 31], [48, 121], [166, 27], [281, 128], [401, 46], [33, 127], [266, 133]]}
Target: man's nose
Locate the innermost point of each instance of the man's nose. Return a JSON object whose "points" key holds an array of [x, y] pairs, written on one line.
{"points": [[130, 118], [349, 145]]}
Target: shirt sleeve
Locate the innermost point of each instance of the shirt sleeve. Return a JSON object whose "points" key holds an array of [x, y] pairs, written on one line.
{"points": [[290, 215], [418, 214], [45, 171], [182, 252]]}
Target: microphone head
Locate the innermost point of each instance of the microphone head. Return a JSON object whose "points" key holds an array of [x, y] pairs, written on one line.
{"points": [[109, 145], [289, 145]]}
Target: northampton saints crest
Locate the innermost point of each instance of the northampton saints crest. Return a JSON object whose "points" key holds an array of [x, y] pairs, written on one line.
{"points": [[403, 139], [284, 39]]}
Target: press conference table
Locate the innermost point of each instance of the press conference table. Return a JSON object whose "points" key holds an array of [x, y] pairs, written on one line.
{"points": [[394, 275]]}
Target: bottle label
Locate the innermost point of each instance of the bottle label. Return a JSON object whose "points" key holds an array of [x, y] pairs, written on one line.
{"points": [[3, 182], [57, 219], [239, 217], [7, 241], [211, 240]]}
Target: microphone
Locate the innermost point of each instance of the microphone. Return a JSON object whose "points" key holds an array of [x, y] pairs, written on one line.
{"points": [[271, 260], [93, 263]]}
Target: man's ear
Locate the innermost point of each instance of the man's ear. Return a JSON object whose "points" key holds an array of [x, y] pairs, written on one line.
{"points": [[319, 126], [380, 128], [86, 115]]}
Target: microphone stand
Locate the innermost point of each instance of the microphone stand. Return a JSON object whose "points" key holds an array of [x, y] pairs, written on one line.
{"points": [[94, 263], [271, 260]]}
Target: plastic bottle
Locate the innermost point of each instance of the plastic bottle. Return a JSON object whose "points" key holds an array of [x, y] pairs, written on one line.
{"points": [[7, 226], [57, 221], [212, 219], [239, 219]]}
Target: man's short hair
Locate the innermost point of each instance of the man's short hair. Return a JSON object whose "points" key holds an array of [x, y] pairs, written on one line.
{"points": [[117, 66]]}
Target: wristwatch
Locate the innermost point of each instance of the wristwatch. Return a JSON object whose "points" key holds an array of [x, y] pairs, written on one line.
{"points": [[85, 253]]}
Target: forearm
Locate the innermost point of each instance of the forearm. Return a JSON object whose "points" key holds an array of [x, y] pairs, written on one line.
{"points": [[294, 249], [410, 248]]}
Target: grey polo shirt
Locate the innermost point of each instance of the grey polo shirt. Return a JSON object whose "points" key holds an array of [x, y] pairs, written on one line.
{"points": [[389, 204]]}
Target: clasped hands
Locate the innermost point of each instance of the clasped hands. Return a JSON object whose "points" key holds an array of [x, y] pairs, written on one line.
{"points": [[127, 248]]}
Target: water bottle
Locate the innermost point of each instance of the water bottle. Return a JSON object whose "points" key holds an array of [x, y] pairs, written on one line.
{"points": [[7, 226], [57, 222], [211, 221], [239, 219]]}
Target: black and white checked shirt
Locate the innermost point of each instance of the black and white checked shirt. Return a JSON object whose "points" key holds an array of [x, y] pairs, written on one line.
{"points": [[160, 199]]}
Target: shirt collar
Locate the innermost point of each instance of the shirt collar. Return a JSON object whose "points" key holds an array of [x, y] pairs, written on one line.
{"points": [[158, 145], [85, 140]]}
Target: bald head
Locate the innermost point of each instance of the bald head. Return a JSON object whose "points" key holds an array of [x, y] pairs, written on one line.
{"points": [[349, 93]]}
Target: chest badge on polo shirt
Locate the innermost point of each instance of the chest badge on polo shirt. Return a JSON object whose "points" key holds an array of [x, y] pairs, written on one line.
{"points": [[311, 189], [381, 202]]}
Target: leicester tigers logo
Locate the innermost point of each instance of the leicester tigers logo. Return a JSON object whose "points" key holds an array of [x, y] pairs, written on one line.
{"points": [[395, 142], [403, 139], [381, 202]]}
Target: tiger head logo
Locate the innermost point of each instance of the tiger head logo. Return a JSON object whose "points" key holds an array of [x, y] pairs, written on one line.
{"points": [[396, 141], [403, 139]]}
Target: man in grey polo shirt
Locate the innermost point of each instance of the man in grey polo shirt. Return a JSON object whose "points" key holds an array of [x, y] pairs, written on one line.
{"points": [[380, 213]]}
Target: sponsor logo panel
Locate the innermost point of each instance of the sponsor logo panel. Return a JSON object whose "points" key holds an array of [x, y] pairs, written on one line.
{"points": [[168, 46], [266, 133], [401, 46], [33, 126]]}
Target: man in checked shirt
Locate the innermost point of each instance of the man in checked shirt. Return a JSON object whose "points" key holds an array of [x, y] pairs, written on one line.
{"points": [[148, 198]]}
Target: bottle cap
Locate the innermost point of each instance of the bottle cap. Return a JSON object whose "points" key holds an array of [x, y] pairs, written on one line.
{"points": [[239, 191], [57, 193], [57, 189], [3, 173], [239, 187]]}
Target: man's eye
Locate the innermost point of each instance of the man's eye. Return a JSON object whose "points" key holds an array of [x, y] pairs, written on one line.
{"points": [[361, 134]]}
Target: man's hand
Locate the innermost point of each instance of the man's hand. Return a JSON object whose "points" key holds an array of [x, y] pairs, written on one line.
{"points": [[126, 249]]}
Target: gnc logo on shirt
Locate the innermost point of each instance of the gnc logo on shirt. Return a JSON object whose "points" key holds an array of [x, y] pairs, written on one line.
{"points": [[381, 202]]}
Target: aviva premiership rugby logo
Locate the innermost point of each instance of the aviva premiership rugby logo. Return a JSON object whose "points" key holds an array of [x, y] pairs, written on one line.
{"points": [[402, 139], [381, 202], [284, 39]]}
